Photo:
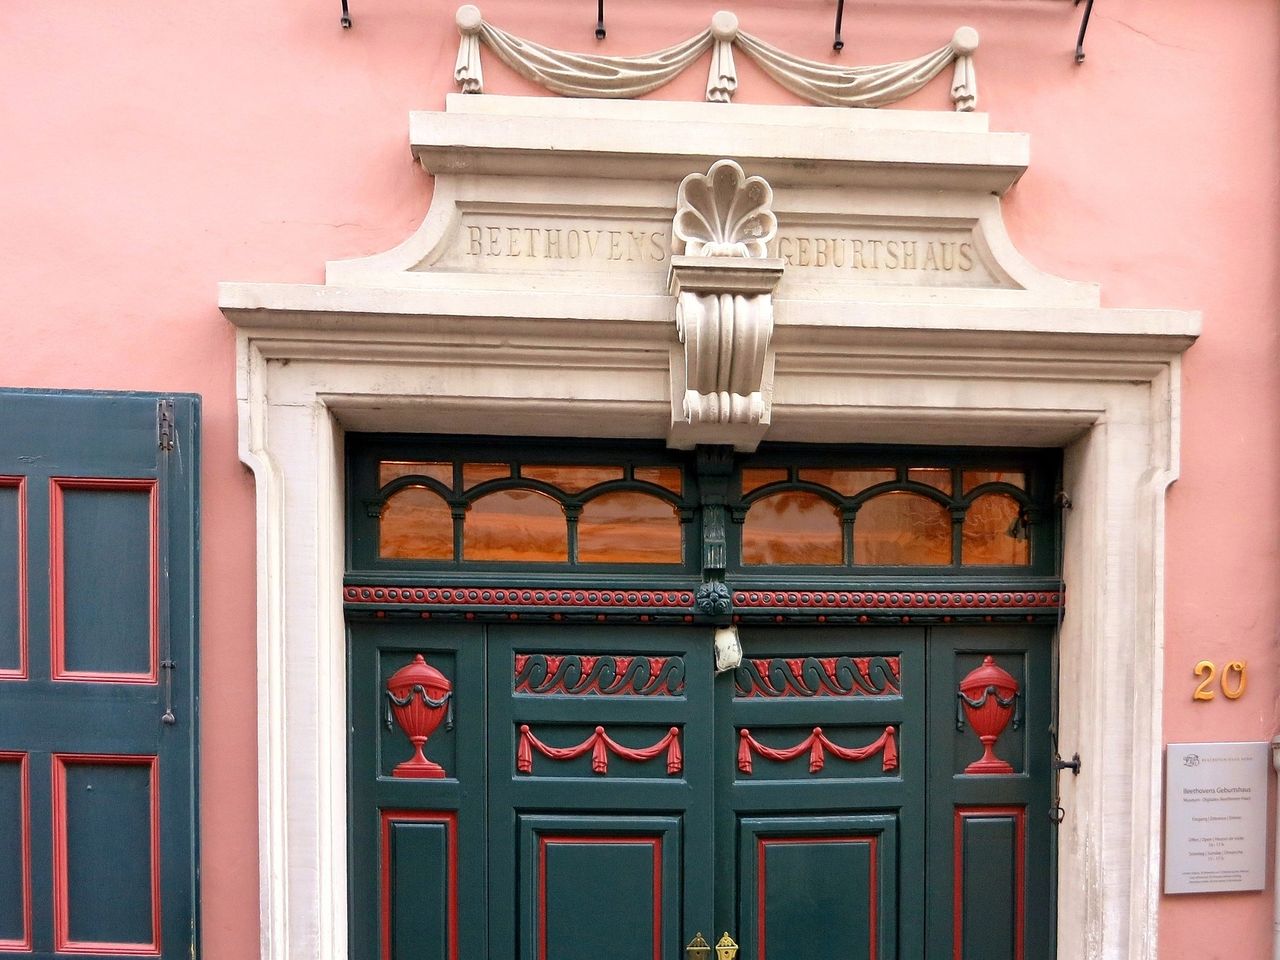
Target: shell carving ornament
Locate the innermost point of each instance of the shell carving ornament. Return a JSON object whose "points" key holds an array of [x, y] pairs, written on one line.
{"points": [[723, 213], [723, 279]]}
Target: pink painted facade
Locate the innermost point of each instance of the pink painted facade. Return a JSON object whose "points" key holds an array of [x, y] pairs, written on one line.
{"points": [[151, 152]]}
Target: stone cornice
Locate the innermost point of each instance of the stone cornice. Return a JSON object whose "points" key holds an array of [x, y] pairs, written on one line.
{"points": [[647, 139], [295, 313]]}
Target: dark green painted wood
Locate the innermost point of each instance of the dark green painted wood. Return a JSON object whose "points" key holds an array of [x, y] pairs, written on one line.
{"points": [[374, 653], [12, 880], [712, 806], [108, 435], [842, 787], [1025, 653], [109, 852], [10, 561], [595, 886], [988, 902], [708, 831], [616, 880], [107, 594], [420, 893], [827, 886], [518, 802]]}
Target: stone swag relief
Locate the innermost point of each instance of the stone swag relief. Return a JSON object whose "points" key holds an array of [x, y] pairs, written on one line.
{"points": [[949, 255], [1216, 817]]}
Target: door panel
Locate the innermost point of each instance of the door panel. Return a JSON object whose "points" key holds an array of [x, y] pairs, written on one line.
{"points": [[599, 773], [826, 696], [420, 884], [13, 577], [598, 886], [15, 850], [819, 887], [417, 845], [991, 839]]}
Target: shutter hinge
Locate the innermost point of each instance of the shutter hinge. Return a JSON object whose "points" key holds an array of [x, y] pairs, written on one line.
{"points": [[164, 424], [168, 717]]}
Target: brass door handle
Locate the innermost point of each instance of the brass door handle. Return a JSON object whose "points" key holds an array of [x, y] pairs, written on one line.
{"points": [[726, 949], [699, 949]]}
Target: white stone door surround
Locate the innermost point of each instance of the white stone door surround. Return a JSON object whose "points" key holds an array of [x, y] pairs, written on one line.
{"points": [[482, 322]]}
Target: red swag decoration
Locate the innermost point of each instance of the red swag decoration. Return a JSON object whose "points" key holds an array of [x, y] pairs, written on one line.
{"points": [[601, 745], [818, 746]]}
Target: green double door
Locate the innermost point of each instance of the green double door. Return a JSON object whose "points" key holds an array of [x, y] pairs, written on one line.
{"points": [[607, 795]]}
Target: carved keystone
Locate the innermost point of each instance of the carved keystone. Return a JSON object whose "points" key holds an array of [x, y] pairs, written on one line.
{"points": [[722, 378]]}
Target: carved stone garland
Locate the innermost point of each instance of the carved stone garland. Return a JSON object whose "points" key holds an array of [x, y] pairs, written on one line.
{"points": [[592, 75], [722, 380]]}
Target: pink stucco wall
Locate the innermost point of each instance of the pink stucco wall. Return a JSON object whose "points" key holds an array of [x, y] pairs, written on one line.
{"points": [[151, 150]]}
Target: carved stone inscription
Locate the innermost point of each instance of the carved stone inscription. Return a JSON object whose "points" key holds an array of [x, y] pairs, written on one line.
{"points": [[876, 254], [831, 252], [489, 241]]}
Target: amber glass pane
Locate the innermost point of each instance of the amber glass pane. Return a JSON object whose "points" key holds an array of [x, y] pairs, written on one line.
{"points": [[571, 479], [899, 529], [850, 482], [389, 470], [975, 478], [416, 525], [986, 538], [474, 473], [937, 477], [629, 527], [792, 527], [754, 479], [670, 478], [515, 525]]}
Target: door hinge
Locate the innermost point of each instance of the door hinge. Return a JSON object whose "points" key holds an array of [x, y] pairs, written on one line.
{"points": [[164, 424]]}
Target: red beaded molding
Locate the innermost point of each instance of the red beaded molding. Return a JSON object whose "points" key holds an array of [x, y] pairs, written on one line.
{"points": [[519, 596], [675, 605], [902, 600]]}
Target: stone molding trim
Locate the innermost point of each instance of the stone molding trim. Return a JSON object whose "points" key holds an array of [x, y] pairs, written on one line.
{"points": [[593, 75], [452, 332], [722, 382]]}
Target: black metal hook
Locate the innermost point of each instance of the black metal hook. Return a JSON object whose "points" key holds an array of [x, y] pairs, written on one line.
{"points": [[1073, 764], [346, 16], [1084, 25], [839, 44], [600, 19]]}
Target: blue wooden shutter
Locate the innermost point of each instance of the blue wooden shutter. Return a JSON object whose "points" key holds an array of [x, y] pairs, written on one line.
{"points": [[98, 695]]}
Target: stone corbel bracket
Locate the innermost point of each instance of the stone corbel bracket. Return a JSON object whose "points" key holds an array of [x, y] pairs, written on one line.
{"points": [[722, 374]]}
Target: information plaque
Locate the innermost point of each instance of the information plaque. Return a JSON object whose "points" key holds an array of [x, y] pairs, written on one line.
{"points": [[1215, 817]]}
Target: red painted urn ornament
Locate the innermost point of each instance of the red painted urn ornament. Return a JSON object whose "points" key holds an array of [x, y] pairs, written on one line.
{"points": [[988, 697], [419, 696]]}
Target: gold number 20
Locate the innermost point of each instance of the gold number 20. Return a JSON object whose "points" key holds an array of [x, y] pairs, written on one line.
{"points": [[1206, 670]]}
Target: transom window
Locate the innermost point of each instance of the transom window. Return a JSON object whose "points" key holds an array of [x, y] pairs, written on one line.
{"points": [[555, 505], [565, 504], [878, 516]]}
